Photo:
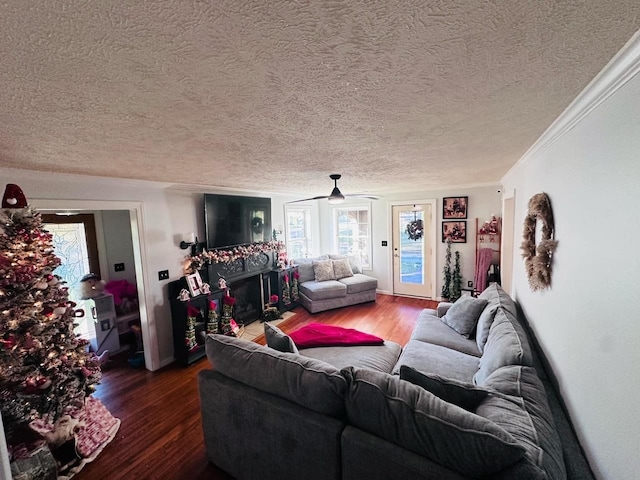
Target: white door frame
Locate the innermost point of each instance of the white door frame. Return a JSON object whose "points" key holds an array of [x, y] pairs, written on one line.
{"points": [[432, 255], [149, 335], [508, 238]]}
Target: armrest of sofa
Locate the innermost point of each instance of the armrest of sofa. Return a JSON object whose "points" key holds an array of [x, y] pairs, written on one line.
{"points": [[443, 307]]}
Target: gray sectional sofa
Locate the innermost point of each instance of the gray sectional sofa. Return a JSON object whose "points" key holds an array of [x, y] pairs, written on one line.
{"points": [[449, 405], [340, 286]]}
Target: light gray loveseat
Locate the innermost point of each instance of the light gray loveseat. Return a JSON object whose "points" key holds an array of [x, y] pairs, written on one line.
{"points": [[347, 286], [444, 407]]}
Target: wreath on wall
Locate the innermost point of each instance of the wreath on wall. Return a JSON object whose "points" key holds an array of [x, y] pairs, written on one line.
{"points": [[537, 259]]}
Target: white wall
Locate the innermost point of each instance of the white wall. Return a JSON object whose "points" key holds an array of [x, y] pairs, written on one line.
{"points": [[588, 322]]}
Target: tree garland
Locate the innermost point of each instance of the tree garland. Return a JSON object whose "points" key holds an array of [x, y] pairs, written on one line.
{"points": [[537, 260]]}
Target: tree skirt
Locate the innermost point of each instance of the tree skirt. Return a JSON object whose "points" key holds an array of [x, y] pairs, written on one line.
{"points": [[78, 438]]}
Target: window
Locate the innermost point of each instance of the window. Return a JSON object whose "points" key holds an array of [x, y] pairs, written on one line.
{"points": [[352, 227], [298, 234]]}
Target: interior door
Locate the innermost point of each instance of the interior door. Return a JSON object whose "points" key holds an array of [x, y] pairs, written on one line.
{"points": [[412, 250]]}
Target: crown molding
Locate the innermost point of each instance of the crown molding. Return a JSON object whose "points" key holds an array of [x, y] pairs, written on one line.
{"points": [[621, 68]]}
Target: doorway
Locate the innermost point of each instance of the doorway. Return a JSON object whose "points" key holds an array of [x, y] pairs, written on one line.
{"points": [[413, 241], [508, 226], [135, 223]]}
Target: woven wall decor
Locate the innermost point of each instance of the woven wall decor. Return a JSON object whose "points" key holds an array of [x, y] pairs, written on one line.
{"points": [[537, 259]]}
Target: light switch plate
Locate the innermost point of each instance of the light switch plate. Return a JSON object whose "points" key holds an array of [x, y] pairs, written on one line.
{"points": [[163, 275]]}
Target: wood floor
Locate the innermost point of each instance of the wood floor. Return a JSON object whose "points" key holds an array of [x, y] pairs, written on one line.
{"points": [[161, 435]]}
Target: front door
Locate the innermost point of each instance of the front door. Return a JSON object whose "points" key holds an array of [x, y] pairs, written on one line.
{"points": [[412, 250]]}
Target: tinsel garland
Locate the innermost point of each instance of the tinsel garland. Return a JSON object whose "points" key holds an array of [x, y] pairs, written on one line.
{"points": [[193, 263]]}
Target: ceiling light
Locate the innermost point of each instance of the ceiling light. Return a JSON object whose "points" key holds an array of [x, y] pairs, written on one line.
{"points": [[336, 196]]}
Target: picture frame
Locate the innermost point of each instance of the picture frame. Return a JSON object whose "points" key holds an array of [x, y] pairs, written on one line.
{"points": [[194, 282], [457, 231], [454, 208]]}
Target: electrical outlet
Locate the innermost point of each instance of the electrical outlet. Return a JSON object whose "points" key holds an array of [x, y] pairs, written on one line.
{"points": [[163, 275], [384, 243], [470, 284], [119, 267]]}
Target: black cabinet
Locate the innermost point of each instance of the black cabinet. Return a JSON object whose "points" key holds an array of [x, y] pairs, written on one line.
{"points": [[284, 283], [189, 336]]}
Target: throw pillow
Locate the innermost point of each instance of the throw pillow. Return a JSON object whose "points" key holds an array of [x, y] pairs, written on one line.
{"points": [[278, 340], [461, 394], [463, 314], [342, 268], [323, 270]]}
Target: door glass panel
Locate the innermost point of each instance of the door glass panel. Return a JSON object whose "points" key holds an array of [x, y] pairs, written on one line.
{"points": [[70, 244], [411, 249]]}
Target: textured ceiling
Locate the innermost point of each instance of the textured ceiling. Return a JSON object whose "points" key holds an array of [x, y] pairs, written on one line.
{"points": [[398, 95]]}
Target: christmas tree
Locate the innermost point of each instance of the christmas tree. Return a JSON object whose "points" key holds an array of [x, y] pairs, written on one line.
{"points": [[45, 369]]}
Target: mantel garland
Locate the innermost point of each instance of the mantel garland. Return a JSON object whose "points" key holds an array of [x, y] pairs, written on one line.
{"points": [[193, 263], [538, 259]]}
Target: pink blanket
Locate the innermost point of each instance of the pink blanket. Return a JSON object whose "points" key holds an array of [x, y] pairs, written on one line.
{"points": [[319, 335]]}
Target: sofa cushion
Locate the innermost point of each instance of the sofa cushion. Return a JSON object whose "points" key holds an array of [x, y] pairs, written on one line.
{"points": [[323, 290], [359, 283], [429, 328], [524, 412], [342, 268], [441, 361], [411, 417], [278, 340], [496, 297], [463, 314], [305, 381], [305, 267], [323, 270], [507, 345], [381, 358], [462, 394]]}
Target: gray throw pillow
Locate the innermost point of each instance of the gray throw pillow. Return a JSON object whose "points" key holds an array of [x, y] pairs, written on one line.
{"points": [[413, 418], [342, 268], [323, 270], [278, 340], [464, 313], [461, 394]]}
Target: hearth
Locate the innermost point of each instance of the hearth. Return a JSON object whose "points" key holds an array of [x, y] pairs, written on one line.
{"points": [[249, 298]]}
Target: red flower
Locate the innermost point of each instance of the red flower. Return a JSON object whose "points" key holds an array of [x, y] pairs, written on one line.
{"points": [[273, 298]]}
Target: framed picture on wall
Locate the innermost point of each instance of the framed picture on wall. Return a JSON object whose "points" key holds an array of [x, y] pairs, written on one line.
{"points": [[456, 231], [194, 282], [454, 208]]}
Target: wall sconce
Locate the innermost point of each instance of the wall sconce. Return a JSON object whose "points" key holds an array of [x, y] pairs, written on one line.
{"points": [[189, 240]]}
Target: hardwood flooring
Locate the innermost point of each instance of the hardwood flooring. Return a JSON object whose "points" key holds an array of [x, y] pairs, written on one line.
{"points": [[161, 435]]}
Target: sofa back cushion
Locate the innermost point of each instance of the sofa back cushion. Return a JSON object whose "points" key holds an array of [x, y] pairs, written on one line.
{"points": [[308, 382], [496, 297], [305, 267], [411, 417], [522, 409], [507, 344]]}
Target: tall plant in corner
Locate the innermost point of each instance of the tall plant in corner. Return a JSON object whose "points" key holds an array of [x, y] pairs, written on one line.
{"points": [[446, 281], [455, 290]]}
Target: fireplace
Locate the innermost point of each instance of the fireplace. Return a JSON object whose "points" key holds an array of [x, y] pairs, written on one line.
{"points": [[249, 298]]}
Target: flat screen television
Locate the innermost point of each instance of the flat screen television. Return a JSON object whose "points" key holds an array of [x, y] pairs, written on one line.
{"points": [[234, 220]]}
